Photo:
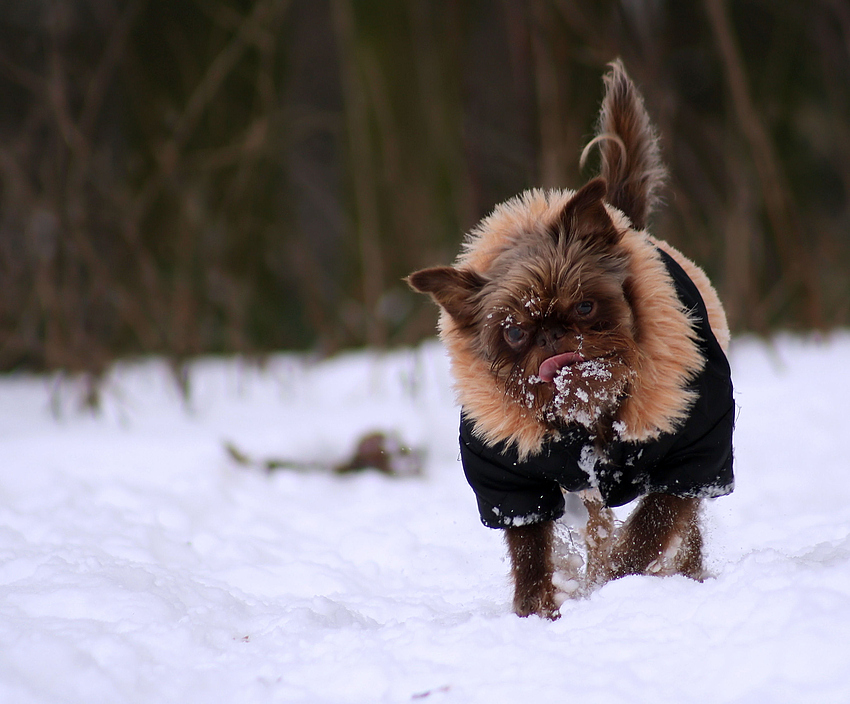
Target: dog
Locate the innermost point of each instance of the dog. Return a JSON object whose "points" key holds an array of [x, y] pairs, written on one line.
{"points": [[589, 357]]}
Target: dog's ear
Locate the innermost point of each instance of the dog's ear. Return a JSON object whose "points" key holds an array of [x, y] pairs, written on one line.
{"points": [[453, 289], [584, 217]]}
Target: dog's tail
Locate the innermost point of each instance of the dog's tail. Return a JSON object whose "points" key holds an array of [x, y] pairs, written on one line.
{"points": [[631, 161]]}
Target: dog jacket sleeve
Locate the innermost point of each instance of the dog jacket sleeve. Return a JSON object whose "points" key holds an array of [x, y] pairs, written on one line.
{"points": [[514, 493], [695, 461]]}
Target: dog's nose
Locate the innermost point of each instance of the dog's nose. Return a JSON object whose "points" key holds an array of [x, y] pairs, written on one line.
{"points": [[550, 336]]}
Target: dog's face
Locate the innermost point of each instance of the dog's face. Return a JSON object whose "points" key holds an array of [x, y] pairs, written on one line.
{"points": [[551, 315]]}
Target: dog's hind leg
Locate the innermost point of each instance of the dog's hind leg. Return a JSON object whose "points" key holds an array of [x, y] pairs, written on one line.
{"points": [[661, 536], [530, 549], [598, 536]]}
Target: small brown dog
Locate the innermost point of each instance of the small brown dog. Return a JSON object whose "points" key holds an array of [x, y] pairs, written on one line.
{"points": [[589, 357]]}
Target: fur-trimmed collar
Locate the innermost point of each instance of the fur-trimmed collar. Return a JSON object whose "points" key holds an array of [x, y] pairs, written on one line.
{"points": [[669, 356]]}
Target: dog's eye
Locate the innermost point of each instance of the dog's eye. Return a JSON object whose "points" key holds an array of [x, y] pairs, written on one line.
{"points": [[584, 308], [515, 335]]}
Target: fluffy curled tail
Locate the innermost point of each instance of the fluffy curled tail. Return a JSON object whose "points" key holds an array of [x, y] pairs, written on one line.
{"points": [[628, 144]]}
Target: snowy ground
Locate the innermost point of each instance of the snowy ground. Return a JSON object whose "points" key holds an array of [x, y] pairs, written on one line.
{"points": [[140, 563]]}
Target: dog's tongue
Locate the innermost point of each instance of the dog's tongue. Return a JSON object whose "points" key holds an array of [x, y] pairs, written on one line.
{"points": [[550, 367]]}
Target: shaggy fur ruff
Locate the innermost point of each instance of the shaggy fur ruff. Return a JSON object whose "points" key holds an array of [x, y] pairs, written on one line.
{"points": [[667, 355]]}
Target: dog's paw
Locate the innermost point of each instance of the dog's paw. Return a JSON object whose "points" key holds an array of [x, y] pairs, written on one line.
{"points": [[543, 605]]}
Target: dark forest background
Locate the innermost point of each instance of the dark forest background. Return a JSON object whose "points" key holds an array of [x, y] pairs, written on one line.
{"points": [[226, 176]]}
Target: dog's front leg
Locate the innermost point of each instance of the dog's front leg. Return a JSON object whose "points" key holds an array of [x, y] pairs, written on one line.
{"points": [[530, 548], [661, 536]]}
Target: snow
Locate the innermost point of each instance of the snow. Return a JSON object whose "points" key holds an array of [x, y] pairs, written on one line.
{"points": [[140, 563]]}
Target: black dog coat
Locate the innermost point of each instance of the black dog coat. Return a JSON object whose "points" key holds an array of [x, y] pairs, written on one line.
{"points": [[694, 461]]}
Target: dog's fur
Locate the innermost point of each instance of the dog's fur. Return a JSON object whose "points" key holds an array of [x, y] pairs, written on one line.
{"points": [[559, 311]]}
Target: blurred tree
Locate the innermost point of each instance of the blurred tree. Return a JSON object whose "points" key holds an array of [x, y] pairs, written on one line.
{"points": [[248, 175]]}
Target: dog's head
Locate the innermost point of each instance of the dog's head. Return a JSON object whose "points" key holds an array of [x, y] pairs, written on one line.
{"points": [[551, 314]]}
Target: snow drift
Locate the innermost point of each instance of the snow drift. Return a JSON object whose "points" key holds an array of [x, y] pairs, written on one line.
{"points": [[140, 563]]}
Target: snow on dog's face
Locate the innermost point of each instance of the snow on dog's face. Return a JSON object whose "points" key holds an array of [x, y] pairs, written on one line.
{"points": [[551, 315]]}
